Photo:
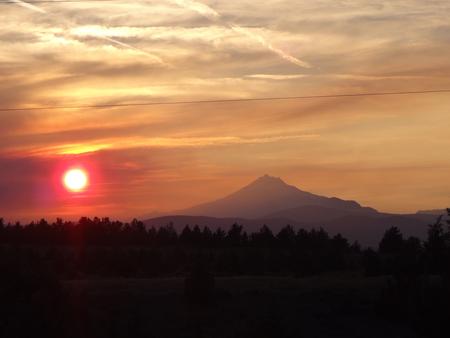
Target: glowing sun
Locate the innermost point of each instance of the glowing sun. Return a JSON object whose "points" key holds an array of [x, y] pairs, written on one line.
{"points": [[75, 180]]}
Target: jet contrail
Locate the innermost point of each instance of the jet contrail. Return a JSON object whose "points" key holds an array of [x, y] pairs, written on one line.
{"points": [[106, 38], [198, 7], [29, 6], [213, 15], [269, 46], [123, 44]]}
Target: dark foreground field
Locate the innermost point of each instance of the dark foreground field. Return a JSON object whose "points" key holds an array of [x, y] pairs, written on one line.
{"points": [[339, 305]]}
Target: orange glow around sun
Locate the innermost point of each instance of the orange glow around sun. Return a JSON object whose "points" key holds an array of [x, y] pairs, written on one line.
{"points": [[75, 180]]}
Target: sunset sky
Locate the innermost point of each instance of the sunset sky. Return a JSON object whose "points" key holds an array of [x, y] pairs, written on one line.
{"points": [[388, 152]]}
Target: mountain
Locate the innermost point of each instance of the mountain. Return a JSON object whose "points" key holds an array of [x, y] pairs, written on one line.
{"points": [[318, 213], [267, 195], [268, 200]]}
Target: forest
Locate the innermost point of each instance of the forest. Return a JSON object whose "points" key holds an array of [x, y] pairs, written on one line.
{"points": [[47, 270]]}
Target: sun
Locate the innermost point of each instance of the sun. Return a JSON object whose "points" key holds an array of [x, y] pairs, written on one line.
{"points": [[75, 180]]}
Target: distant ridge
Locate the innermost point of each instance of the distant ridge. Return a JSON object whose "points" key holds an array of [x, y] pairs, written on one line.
{"points": [[269, 200], [365, 229], [433, 212]]}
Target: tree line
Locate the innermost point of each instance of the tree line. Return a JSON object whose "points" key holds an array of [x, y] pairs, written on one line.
{"points": [[111, 248], [104, 232], [35, 258], [418, 288], [85, 243]]}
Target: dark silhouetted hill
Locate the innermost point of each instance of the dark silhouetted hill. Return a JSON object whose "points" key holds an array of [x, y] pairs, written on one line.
{"points": [[436, 212], [318, 213]]}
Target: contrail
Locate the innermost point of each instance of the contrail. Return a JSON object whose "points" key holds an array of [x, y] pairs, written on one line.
{"points": [[213, 15], [269, 46], [29, 6], [198, 7], [126, 45], [106, 38]]}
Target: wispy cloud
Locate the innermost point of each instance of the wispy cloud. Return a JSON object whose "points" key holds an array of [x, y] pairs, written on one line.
{"points": [[126, 45], [96, 145], [198, 7], [276, 76], [269, 46], [212, 14], [100, 36]]}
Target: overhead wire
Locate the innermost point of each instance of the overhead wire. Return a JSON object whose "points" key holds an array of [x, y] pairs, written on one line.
{"points": [[182, 102]]}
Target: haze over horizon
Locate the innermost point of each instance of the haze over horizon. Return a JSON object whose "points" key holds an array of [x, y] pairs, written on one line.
{"points": [[386, 152]]}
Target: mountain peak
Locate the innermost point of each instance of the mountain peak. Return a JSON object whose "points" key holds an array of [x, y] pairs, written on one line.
{"points": [[266, 184], [265, 195], [269, 179]]}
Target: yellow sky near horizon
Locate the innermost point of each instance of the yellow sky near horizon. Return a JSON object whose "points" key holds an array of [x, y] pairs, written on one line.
{"points": [[387, 152]]}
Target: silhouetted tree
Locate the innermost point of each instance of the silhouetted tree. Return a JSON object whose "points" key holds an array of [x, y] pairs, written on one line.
{"points": [[167, 235], [286, 236], [437, 246], [392, 241], [263, 238], [371, 263], [197, 236], [207, 237], [219, 237], [355, 247], [186, 236], [234, 235]]}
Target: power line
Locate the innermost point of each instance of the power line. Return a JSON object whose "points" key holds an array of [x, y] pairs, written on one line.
{"points": [[280, 98]]}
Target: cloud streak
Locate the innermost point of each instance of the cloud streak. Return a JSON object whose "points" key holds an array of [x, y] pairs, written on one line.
{"points": [[29, 6], [103, 37], [199, 7], [212, 14], [276, 76], [126, 45], [263, 42]]}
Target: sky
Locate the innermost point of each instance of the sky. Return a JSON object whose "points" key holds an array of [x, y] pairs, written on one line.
{"points": [[387, 152]]}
